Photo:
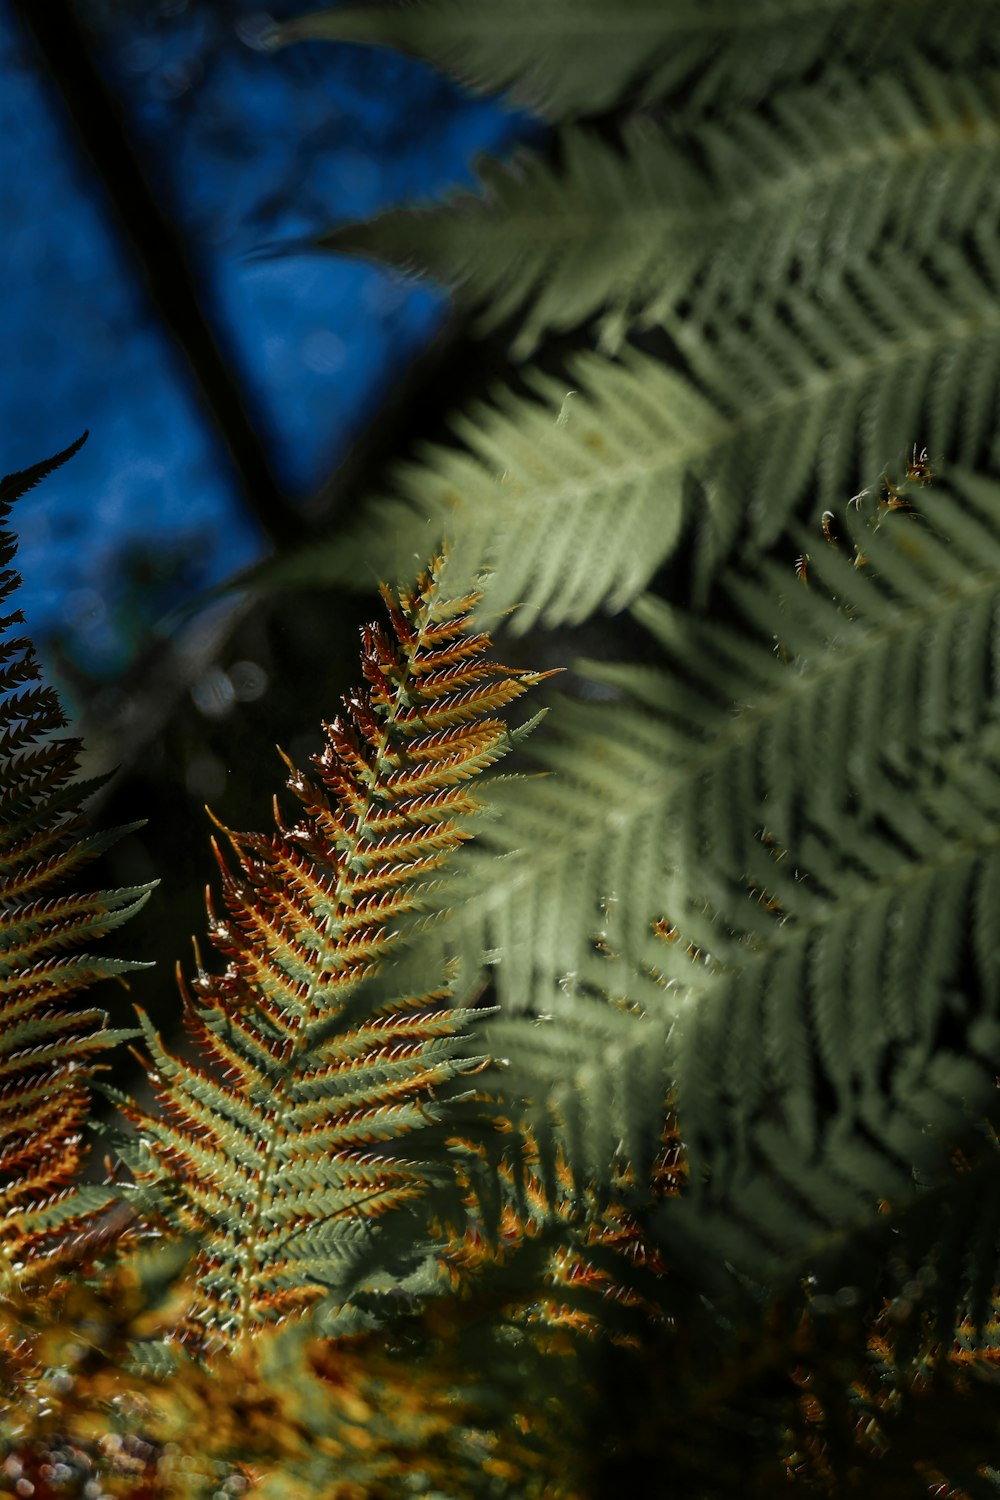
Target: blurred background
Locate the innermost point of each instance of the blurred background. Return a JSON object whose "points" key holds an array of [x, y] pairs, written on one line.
{"points": [[161, 175]]}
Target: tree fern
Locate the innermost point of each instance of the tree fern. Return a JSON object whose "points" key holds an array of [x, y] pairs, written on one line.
{"points": [[830, 753], [752, 910], [808, 1035], [295, 1132], [823, 270], [802, 800]]}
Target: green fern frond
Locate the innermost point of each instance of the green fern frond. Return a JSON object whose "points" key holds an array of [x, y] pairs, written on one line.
{"points": [[932, 1251], [48, 1048], [851, 780], [812, 1236], [608, 231], [628, 232], [579, 492], [614, 452], [862, 967], [579, 57], [294, 1132], [659, 806]]}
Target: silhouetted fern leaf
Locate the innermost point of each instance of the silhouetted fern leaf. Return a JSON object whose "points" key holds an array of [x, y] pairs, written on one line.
{"points": [[48, 1048], [13, 486]]}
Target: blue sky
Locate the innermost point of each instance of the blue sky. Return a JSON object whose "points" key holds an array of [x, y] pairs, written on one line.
{"points": [[247, 149]]}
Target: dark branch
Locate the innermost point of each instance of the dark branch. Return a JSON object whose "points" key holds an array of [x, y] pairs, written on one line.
{"points": [[169, 276]]}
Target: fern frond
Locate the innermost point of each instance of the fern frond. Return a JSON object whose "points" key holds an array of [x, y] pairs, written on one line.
{"points": [[888, 1307], [806, 1035], [859, 978], [573, 57], [814, 1087], [614, 452], [659, 806], [627, 232], [787, 1398], [294, 1132], [789, 406], [49, 1048]]}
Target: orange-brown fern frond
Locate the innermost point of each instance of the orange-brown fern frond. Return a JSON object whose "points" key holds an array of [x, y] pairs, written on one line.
{"points": [[291, 1136], [48, 1047]]}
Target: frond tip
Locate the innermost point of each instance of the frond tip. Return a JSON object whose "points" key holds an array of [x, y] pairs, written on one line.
{"points": [[13, 486], [283, 1142]]}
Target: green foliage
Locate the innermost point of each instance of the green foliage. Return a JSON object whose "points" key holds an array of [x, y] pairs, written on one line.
{"points": [[788, 238], [713, 1192], [292, 1136], [632, 230], [823, 275], [582, 57]]}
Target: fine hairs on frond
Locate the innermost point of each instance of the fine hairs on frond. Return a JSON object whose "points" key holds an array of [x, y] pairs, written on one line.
{"points": [[309, 1115]]}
